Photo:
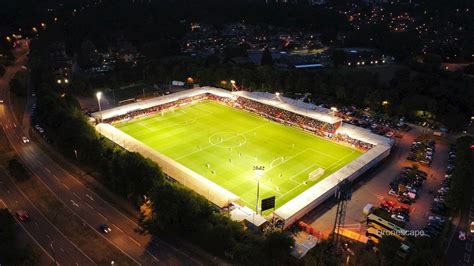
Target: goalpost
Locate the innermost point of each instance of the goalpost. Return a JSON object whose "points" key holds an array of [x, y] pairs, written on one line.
{"points": [[316, 174]]}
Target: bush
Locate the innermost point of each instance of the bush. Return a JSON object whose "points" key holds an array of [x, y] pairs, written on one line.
{"points": [[17, 170], [461, 179], [10, 253]]}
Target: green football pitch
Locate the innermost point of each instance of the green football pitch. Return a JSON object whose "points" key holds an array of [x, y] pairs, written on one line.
{"points": [[223, 144]]}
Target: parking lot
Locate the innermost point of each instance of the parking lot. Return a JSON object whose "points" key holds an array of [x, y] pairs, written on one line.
{"points": [[373, 188]]}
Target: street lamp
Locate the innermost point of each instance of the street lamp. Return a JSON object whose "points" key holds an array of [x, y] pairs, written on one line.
{"points": [[99, 95], [59, 81], [232, 82]]}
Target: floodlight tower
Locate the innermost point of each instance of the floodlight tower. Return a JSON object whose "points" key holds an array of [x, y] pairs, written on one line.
{"points": [[99, 95], [343, 194], [258, 174]]}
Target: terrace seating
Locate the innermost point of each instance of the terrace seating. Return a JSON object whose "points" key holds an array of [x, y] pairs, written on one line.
{"points": [[320, 128]]}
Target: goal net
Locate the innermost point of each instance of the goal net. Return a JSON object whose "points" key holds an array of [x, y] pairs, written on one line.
{"points": [[316, 174]]}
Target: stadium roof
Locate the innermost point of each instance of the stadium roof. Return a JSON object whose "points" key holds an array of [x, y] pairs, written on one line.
{"points": [[295, 106], [304, 202], [241, 213], [124, 109], [364, 135]]}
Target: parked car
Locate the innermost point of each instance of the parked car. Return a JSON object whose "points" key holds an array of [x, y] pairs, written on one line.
{"points": [[392, 192], [399, 218]]}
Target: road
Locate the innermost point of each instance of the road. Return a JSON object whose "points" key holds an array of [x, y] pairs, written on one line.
{"points": [[49, 238], [85, 203], [43, 233]]}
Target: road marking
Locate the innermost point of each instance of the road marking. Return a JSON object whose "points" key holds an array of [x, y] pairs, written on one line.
{"points": [[48, 236], [61, 249], [47, 170], [90, 197], [76, 195], [134, 241], [118, 228], [74, 203], [88, 205], [56, 177], [66, 186]]}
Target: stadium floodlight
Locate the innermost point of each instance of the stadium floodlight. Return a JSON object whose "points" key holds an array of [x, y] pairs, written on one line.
{"points": [[258, 173], [277, 93], [234, 87], [99, 95]]}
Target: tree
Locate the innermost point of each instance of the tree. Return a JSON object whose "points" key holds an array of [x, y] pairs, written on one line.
{"points": [[388, 246], [277, 246], [10, 253], [17, 88], [17, 170], [433, 60], [338, 57], [87, 55], [267, 59], [2, 70]]}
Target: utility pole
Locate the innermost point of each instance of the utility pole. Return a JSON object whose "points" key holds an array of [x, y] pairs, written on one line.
{"points": [[54, 254]]}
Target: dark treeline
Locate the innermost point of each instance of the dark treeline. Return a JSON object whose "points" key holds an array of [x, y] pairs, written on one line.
{"points": [[11, 250], [160, 25], [424, 94], [174, 207], [462, 178]]}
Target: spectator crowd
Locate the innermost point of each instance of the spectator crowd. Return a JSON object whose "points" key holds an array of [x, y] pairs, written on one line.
{"points": [[320, 128]]}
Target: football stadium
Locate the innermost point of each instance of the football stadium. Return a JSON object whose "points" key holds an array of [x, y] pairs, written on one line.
{"points": [[237, 148]]}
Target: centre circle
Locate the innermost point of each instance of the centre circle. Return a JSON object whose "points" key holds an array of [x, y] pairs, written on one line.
{"points": [[227, 139]]}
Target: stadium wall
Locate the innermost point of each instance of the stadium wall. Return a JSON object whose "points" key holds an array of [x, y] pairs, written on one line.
{"points": [[201, 185]]}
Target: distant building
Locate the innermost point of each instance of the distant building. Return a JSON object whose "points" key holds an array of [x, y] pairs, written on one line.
{"points": [[61, 62]]}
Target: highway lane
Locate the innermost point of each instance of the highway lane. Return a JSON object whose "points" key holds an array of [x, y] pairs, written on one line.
{"points": [[95, 211], [47, 236], [88, 205], [39, 228], [14, 133]]}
